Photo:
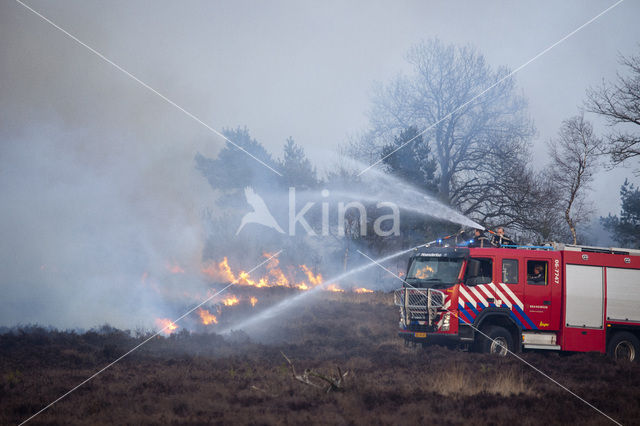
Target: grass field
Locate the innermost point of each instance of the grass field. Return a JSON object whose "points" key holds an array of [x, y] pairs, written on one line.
{"points": [[204, 378]]}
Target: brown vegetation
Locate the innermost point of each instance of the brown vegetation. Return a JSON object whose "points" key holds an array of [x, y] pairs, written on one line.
{"points": [[206, 378]]}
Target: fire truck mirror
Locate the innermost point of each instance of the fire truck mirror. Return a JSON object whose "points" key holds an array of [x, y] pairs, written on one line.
{"points": [[474, 268], [479, 271]]}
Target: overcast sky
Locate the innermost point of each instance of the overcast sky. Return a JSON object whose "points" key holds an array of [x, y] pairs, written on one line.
{"points": [[292, 68]]}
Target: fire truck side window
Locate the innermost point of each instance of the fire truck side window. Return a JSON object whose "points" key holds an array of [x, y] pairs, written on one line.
{"points": [[479, 271], [537, 272], [510, 271]]}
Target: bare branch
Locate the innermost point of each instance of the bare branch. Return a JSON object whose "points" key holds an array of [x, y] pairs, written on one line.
{"points": [[619, 103], [333, 383], [574, 159], [304, 378]]}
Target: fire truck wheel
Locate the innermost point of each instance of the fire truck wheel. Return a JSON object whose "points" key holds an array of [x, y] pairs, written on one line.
{"points": [[624, 346], [499, 342]]}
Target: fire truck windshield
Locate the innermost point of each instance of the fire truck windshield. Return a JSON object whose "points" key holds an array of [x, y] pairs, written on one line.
{"points": [[434, 272]]}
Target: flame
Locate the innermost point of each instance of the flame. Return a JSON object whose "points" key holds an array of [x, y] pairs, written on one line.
{"points": [[363, 290], [174, 268], [313, 279], [274, 277], [424, 272], [230, 301], [253, 301], [273, 261], [221, 271], [334, 288], [207, 317], [166, 325], [280, 279]]}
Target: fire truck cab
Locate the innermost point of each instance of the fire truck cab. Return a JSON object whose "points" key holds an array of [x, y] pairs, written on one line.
{"points": [[558, 297]]}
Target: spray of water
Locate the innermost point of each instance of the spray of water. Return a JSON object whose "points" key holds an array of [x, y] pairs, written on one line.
{"points": [[391, 188], [414, 201], [381, 187], [378, 187]]}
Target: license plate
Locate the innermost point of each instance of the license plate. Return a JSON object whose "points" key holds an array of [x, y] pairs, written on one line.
{"points": [[423, 335]]}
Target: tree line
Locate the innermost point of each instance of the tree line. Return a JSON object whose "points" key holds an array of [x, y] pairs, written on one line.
{"points": [[459, 129]]}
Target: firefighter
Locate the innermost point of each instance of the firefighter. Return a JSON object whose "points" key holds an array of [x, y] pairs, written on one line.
{"points": [[537, 277], [479, 239], [499, 239]]}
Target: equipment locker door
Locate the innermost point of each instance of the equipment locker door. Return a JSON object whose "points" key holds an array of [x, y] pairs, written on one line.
{"points": [[584, 308]]}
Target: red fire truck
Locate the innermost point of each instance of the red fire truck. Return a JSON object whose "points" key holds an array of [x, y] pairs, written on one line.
{"points": [[560, 297]]}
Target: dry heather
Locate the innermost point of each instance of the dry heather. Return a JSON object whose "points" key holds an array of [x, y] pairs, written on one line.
{"points": [[455, 381], [209, 379]]}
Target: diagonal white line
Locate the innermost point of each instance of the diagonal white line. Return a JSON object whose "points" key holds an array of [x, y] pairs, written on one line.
{"points": [[485, 291], [512, 295], [479, 296], [510, 352], [469, 298], [503, 299], [493, 85], [146, 86], [145, 341]]}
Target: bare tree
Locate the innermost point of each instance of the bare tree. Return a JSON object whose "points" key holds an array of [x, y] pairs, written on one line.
{"points": [[470, 131], [529, 203], [619, 103], [540, 219], [574, 159]]}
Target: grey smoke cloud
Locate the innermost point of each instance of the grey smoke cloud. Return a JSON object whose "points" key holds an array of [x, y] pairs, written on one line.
{"points": [[97, 183], [97, 187], [78, 233]]}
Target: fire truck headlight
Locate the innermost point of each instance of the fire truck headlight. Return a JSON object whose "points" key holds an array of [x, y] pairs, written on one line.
{"points": [[445, 321]]}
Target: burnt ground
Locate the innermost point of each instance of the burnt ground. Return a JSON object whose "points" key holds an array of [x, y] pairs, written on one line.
{"points": [[191, 378]]}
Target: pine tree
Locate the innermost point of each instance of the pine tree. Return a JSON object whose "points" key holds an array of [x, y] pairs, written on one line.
{"points": [[626, 228], [234, 169], [296, 168], [412, 162]]}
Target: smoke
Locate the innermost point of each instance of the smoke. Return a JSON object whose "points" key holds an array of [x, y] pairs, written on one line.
{"points": [[97, 186], [82, 222], [99, 196]]}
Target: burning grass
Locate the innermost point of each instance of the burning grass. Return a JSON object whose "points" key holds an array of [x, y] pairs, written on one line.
{"points": [[206, 378], [301, 277], [256, 292]]}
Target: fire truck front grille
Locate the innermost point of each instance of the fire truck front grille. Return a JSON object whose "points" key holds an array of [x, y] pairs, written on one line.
{"points": [[414, 315], [418, 304], [436, 299]]}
